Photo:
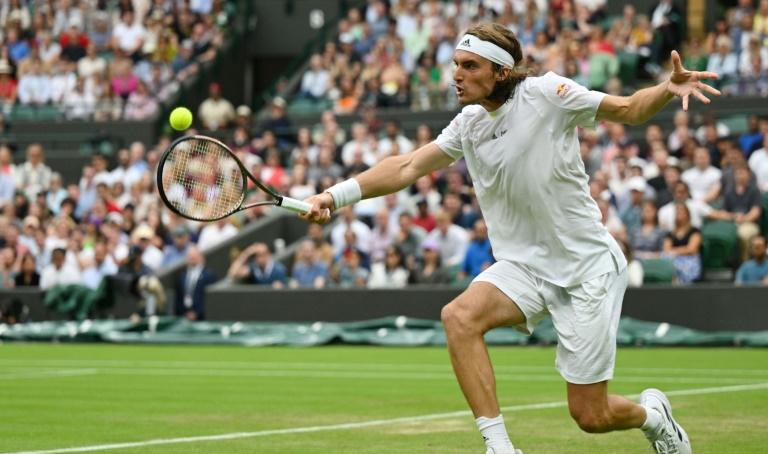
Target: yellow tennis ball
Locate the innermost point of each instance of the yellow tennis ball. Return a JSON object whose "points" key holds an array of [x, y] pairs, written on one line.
{"points": [[181, 118]]}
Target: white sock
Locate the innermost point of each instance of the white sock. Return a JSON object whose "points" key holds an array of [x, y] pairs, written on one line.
{"points": [[653, 420], [494, 431]]}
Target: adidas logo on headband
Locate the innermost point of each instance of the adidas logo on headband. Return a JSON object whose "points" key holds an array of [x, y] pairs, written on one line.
{"points": [[466, 43]]}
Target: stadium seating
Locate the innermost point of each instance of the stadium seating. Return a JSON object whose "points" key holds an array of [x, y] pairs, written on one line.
{"points": [[658, 271], [720, 244]]}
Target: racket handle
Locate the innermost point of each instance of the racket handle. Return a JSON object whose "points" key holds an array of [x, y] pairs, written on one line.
{"points": [[295, 205]]}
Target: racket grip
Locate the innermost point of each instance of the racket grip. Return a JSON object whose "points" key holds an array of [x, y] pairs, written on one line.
{"points": [[295, 205]]}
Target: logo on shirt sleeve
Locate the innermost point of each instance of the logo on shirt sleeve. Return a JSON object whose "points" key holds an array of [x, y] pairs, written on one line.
{"points": [[562, 90]]}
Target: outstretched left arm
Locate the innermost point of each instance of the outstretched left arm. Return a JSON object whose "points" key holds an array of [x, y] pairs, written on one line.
{"points": [[645, 103]]}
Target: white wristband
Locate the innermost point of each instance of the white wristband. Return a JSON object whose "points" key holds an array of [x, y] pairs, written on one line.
{"points": [[345, 193]]}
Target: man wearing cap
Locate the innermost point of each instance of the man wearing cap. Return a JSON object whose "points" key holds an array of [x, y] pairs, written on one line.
{"points": [[518, 136], [631, 214], [178, 250]]}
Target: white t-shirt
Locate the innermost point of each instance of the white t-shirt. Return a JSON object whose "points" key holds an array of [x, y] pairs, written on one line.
{"points": [[530, 181], [698, 209], [700, 182], [128, 36], [758, 162]]}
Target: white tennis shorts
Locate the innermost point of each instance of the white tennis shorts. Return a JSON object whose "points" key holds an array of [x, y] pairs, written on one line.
{"points": [[585, 316]]}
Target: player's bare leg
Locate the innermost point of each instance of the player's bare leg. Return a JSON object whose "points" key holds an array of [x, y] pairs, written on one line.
{"points": [[596, 411], [466, 319]]}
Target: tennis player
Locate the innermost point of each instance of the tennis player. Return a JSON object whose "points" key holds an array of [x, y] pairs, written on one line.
{"points": [[518, 136]]}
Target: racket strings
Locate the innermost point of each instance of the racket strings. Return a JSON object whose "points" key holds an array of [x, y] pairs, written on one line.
{"points": [[202, 180]]}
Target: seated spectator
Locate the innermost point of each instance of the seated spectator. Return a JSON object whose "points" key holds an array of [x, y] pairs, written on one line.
{"points": [[631, 215], [215, 233], [141, 104], [33, 176], [256, 266], [8, 87], [758, 164], [348, 221], [423, 217], [703, 179], [143, 237], [92, 64], [754, 270], [324, 250], [215, 112], [393, 135], [409, 237], [453, 240], [479, 254], [315, 82], [124, 81], [428, 269], [34, 87], [28, 276], [128, 35], [178, 250], [611, 220], [683, 246], [348, 271], [696, 208], [724, 62], [78, 104], [647, 240], [391, 273], [308, 270], [59, 273], [742, 203], [190, 286], [73, 42], [98, 266]]}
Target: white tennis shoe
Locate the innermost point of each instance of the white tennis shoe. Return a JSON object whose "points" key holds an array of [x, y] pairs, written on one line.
{"points": [[670, 438], [503, 450]]}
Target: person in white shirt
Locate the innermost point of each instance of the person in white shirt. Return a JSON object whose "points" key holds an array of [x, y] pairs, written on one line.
{"points": [[518, 136], [314, 83], [348, 221], [215, 233], [128, 34], [758, 163], [215, 112], [452, 239], [34, 87], [360, 143], [394, 139], [698, 209], [703, 179], [58, 272]]}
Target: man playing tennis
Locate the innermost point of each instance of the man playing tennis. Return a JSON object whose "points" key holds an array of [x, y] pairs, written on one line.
{"points": [[519, 138]]}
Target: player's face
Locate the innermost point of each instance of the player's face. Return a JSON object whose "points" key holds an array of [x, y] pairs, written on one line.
{"points": [[474, 77]]}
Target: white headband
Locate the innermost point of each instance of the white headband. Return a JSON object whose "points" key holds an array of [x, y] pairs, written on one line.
{"points": [[485, 49]]}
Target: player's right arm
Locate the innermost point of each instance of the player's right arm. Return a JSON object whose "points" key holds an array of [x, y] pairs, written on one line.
{"points": [[390, 175]]}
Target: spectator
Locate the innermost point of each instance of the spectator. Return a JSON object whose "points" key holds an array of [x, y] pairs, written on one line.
{"points": [[381, 237], [429, 269], [34, 87], [308, 270], [479, 255], [141, 104], [391, 273], [348, 221], [409, 237], [631, 215], [215, 112], [683, 246], [348, 272], [394, 136], [279, 123], [453, 240], [325, 167], [697, 209], [611, 220], [59, 273], [78, 104], [359, 145], [8, 87], [758, 163], [742, 204], [74, 42], [314, 83], [724, 62], [754, 270], [255, 264], [178, 250], [101, 265], [647, 240], [151, 256], [33, 175], [28, 276], [128, 35], [190, 286], [703, 179], [215, 233], [124, 81], [92, 64]]}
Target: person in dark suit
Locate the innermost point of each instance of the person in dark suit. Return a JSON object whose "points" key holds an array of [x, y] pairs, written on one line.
{"points": [[255, 265], [190, 286]]}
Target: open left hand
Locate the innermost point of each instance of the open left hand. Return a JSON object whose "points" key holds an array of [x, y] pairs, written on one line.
{"points": [[684, 83]]}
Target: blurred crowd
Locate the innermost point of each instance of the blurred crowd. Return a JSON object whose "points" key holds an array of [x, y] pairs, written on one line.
{"points": [[399, 53], [103, 59]]}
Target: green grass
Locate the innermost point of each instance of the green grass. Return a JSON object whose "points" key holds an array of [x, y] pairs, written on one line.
{"points": [[57, 396]]}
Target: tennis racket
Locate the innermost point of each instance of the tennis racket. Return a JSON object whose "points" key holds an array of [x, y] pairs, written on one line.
{"points": [[201, 179]]}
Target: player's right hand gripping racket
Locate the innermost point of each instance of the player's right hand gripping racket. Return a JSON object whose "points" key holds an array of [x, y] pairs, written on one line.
{"points": [[201, 179]]}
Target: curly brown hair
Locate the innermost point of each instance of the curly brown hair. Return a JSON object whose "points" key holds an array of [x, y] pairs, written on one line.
{"points": [[504, 38]]}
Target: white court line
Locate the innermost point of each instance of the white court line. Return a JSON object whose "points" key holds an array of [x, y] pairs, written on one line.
{"points": [[49, 373], [396, 375], [342, 366], [363, 424]]}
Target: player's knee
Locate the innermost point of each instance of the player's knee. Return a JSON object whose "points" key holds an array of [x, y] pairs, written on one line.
{"points": [[590, 421], [456, 319]]}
